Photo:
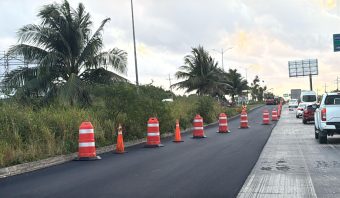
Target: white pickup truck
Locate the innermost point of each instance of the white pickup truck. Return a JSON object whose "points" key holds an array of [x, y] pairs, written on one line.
{"points": [[327, 117]]}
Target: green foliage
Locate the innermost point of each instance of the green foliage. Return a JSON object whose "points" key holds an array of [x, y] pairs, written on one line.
{"points": [[257, 91], [36, 132], [66, 53], [201, 74], [236, 82]]}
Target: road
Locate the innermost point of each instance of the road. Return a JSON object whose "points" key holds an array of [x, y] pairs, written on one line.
{"points": [[216, 166], [294, 164]]}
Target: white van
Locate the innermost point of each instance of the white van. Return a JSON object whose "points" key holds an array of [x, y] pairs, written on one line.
{"points": [[308, 97]]}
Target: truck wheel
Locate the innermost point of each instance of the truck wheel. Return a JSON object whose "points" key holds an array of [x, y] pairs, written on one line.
{"points": [[322, 138], [304, 121], [297, 116], [316, 133]]}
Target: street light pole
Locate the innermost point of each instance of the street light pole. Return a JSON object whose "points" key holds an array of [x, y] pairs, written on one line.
{"points": [[134, 43], [222, 53]]}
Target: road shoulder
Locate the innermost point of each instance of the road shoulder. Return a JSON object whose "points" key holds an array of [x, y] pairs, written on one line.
{"points": [[281, 170]]}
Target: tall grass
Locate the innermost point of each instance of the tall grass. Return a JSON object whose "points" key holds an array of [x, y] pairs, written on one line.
{"points": [[29, 133]]}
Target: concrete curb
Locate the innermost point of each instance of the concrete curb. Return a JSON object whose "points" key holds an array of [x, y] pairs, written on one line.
{"points": [[53, 161]]}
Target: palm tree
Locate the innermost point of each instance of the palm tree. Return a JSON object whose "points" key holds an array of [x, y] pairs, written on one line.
{"points": [[236, 83], [200, 74], [65, 53]]}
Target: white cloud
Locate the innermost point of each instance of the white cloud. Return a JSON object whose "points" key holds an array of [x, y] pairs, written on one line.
{"points": [[264, 34]]}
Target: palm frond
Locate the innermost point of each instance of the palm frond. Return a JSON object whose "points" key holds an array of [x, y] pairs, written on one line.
{"points": [[101, 76]]}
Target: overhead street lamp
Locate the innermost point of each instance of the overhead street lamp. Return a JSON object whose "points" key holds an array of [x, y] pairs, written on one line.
{"points": [[246, 69], [134, 43], [222, 53]]}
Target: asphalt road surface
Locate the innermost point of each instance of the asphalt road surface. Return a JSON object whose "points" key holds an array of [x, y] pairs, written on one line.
{"points": [[294, 164], [216, 166]]}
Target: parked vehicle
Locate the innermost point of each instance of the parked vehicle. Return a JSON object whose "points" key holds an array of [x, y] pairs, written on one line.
{"points": [[327, 117], [293, 103], [308, 97], [300, 109], [308, 113]]}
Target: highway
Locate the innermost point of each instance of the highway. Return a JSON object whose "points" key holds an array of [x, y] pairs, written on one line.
{"points": [[216, 166], [294, 164]]}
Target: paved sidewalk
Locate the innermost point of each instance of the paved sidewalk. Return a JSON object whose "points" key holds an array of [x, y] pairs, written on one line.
{"points": [[294, 164]]}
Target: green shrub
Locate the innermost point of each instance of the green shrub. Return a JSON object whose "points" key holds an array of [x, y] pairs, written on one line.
{"points": [[35, 132]]}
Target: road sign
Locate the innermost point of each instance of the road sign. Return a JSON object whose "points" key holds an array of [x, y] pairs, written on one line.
{"points": [[336, 42], [285, 95]]}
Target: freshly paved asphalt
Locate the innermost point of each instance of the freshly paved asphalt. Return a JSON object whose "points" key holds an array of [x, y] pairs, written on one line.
{"points": [[216, 166]]}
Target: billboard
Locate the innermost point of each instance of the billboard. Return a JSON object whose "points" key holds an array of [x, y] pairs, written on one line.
{"points": [[303, 67]]}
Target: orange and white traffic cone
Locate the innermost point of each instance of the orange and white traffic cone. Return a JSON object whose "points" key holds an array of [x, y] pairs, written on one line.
{"points": [[244, 120], [178, 137], [120, 141], [274, 115], [223, 123], [86, 146], [198, 127], [153, 138], [265, 117], [279, 111]]}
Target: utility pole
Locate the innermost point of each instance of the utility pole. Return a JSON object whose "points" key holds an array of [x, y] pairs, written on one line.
{"points": [[170, 82], [134, 44], [337, 83], [325, 87]]}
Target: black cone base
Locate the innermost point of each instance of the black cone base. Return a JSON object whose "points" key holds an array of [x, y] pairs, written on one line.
{"points": [[87, 158]]}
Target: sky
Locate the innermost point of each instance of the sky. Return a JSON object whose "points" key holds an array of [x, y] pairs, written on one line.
{"points": [[259, 36]]}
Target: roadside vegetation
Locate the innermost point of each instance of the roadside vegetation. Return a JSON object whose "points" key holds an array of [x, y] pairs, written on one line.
{"points": [[72, 80]]}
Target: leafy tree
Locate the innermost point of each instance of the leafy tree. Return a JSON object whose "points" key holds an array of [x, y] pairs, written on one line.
{"points": [[236, 83], [254, 86], [201, 74], [257, 91], [66, 55]]}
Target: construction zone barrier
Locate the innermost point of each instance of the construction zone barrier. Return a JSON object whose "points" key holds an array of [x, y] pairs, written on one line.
{"points": [[86, 143], [178, 137], [223, 123], [198, 127], [274, 115], [244, 120], [120, 142], [265, 116], [153, 138], [279, 111]]}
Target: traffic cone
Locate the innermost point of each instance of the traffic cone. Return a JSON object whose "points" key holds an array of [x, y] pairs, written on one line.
{"points": [[153, 138], [120, 141], [178, 137], [86, 143], [274, 115], [244, 120], [265, 117], [223, 123], [198, 127]]}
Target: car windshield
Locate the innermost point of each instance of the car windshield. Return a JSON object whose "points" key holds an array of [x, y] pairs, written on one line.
{"points": [[293, 101], [332, 100], [309, 98]]}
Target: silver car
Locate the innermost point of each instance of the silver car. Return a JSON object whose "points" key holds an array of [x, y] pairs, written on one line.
{"points": [[300, 109]]}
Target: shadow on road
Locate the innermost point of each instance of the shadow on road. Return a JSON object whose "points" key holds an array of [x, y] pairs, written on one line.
{"points": [[334, 140]]}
